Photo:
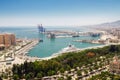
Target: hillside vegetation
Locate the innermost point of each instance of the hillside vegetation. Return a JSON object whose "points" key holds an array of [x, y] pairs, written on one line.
{"points": [[65, 62]]}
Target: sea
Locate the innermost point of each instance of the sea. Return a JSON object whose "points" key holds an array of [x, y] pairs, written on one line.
{"points": [[49, 46]]}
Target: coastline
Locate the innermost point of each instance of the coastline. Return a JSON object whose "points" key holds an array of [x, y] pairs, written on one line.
{"points": [[21, 55], [79, 49]]}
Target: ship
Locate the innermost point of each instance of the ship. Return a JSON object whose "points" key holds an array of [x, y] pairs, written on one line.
{"points": [[75, 36], [40, 40], [69, 48]]}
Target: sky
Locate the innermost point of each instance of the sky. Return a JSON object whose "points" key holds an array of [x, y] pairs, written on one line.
{"points": [[58, 12]]}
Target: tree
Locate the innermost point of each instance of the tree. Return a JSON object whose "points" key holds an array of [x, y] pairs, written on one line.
{"points": [[39, 75], [62, 70], [113, 48], [61, 78], [90, 69], [0, 78], [50, 73], [79, 73], [65, 62], [27, 77], [85, 71], [69, 78], [4, 75], [16, 77]]}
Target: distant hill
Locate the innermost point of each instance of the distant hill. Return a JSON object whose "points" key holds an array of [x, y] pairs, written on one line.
{"points": [[115, 24]]}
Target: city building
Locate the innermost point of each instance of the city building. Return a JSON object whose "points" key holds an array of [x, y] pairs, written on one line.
{"points": [[6, 40], [13, 39], [114, 66], [1, 39], [2, 46]]}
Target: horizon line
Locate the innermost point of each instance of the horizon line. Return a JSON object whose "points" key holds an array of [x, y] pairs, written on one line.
{"points": [[57, 25]]}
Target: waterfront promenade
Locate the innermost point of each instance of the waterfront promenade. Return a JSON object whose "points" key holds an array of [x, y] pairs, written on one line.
{"points": [[22, 53], [19, 56]]}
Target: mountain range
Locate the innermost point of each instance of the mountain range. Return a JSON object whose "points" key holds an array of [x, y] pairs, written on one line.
{"points": [[115, 24]]}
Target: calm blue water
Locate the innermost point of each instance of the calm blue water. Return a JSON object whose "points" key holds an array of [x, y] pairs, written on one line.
{"points": [[49, 46]]}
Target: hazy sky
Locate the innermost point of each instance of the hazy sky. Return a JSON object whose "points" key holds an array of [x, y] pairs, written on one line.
{"points": [[58, 12]]}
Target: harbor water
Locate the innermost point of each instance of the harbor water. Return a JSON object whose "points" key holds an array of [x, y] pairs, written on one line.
{"points": [[50, 46]]}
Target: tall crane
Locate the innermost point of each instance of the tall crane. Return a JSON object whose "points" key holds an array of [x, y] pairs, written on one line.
{"points": [[41, 29]]}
